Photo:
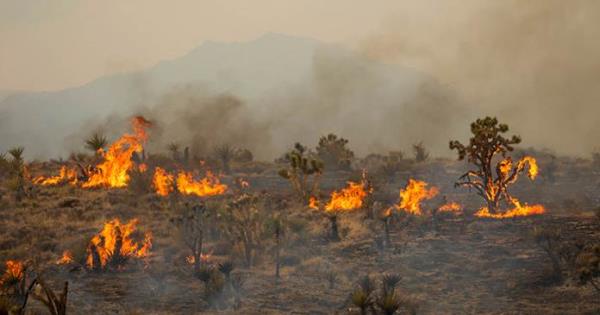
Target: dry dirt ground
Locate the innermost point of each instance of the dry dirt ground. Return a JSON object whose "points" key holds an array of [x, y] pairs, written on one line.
{"points": [[463, 266]]}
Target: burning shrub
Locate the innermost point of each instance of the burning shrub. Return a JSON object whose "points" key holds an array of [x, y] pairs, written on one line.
{"points": [[96, 143], [487, 142], [301, 168], [347, 199], [334, 153], [114, 246]]}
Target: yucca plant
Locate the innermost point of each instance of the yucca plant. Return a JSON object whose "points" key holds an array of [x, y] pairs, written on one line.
{"points": [[388, 302], [361, 299], [96, 142]]}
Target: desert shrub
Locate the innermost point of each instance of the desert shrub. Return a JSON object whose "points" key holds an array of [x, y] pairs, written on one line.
{"points": [[303, 172], [243, 156], [334, 152], [190, 230], [550, 241], [420, 152], [243, 222], [587, 266]]}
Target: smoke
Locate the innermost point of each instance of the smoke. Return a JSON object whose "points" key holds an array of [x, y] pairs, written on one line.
{"points": [[534, 64]]}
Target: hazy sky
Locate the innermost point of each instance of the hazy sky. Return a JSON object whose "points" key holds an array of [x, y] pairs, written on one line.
{"points": [[52, 44]]}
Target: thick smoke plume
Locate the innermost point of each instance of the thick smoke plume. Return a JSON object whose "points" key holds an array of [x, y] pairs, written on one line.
{"points": [[534, 64]]}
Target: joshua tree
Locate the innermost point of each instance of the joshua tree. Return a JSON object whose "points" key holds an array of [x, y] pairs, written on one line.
{"points": [[334, 153], [18, 172], [96, 142], [224, 153], [486, 143], [421, 154], [301, 168]]}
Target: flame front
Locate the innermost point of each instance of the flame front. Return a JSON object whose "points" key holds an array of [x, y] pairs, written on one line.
{"points": [[207, 186], [66, 258], [349, 198], [518, 210], [114, 170], [415, 192], [14, 271], [65, 175], [451, 207], [115, 239], [204, 258], [163, 182]]}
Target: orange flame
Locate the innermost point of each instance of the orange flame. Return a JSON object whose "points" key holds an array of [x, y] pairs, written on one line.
{"points": [[204, 258], [533, 167], [313, 203], [163, 182], [451, 207], [142, 168], [65, 175], [14, 271], [114, 235], [349, 198], [517, 211], [67, 258], [114, 170], [415, 192], [208, 186]]}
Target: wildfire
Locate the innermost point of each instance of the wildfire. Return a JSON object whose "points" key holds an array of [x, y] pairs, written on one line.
{"points": [[114, 170], [450, 207], [204, 258], [14, 271], [207, 186], [518, 210], [143, 167], [114, 244], [65, 175], [348, 198], [163, 182], [313, 203], [415, 192], [67, 258]]}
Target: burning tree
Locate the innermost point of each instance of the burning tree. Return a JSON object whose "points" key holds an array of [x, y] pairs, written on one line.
{"points": [[491, 183]]}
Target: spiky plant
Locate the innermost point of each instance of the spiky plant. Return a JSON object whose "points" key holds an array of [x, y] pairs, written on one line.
{"points": [[362, 299], [390, 281], [366, 284], [204, 274], [18, 172], [388, 302], [96, 142]]}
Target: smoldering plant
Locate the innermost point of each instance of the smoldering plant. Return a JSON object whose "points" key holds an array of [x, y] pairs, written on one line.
{"points": [[190, 226]]}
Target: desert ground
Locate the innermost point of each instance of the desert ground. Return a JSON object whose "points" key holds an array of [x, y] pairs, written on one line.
{"points": [[446, 263]]}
